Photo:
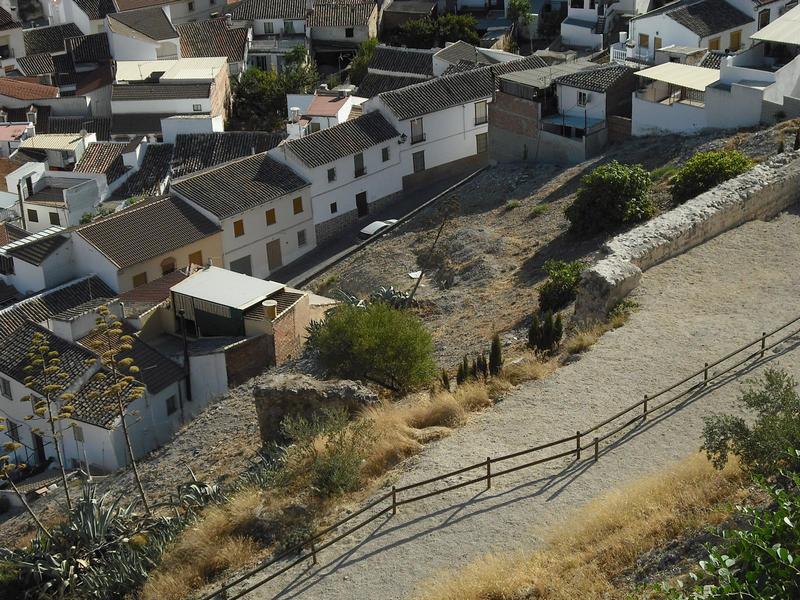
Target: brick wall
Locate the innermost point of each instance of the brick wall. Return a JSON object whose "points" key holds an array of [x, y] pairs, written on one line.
{"points": [[513, 128], [619, 128], [248, 358]]}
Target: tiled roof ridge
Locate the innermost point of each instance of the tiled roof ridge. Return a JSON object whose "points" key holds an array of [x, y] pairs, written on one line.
{"points": [[126, 211], [43, 293], [227, 163]]}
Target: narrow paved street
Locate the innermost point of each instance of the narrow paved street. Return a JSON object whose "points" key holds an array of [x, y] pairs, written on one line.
{"points": [[694, 308]]}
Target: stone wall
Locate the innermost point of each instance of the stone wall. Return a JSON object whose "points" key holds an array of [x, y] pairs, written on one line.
{"points": [[619, 128], [513, 128], [761, 193], [346, 222]]}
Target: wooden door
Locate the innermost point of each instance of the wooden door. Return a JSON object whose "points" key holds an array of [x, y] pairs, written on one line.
{"points": [[736, 40], [361, 204], [38, 444], [274, 259]]}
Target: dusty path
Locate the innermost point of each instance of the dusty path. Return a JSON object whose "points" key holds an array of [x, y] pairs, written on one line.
{"points": [[696, 307]]}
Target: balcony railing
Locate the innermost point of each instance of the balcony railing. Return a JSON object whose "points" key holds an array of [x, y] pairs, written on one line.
{"points": [[360, 172], [481, 120], [269, 44], [416, 138]]}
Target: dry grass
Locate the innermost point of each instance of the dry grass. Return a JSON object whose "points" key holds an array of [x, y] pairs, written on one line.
{"points": [[529, 367], [584, 339], [217, 542], [604, 539]]}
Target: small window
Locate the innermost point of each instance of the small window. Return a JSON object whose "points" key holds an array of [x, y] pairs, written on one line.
{"points": [[191, 6], [5, 388], [763, 18], [644, 40], [77, 432], [288, 27], [385, 153], [171, 405], [197, 107], [55, 219], [331, 174], [417, 133], [358, 164], [297, 205], [242, 265], [583, 98], [657, 42], [736, 39], [33, 216], [196, 258], [13, 430], [301, 238], [348, 32], [238, 228], [419, 161], [139, 279], [271, 216], [334, 208], [713, 44], [168, 266], [480, 113], [268, 28], [482, 142]]}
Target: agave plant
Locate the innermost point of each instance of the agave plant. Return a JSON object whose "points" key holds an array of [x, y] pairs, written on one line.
{"points": [[391, 296]]}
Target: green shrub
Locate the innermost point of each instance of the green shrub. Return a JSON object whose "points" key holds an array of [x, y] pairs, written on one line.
{"points": [[611, 195], [561, 285], [705, 170], [663, 172], [760, 561], [496, 356], [761, 447], [377, 342], [545, 334], [512, 204], [539, 210]]}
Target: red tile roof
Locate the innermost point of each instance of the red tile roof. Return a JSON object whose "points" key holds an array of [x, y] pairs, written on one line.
{"points": [[24, 90], [325, 106]]}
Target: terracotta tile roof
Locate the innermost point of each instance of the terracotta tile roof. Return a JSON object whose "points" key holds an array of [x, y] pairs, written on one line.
{"points": [[7, 165], [344, 13], [104, 158], [89, 48], [144, 297], [24, 90], [345, 139], [711, 60], [49, 39], [44, 305], [325, 106], [248, 10], [461, 50], [239, 185], [374, 84], [147, 230], [708, 17], [197, 151], [150, 22], [95, 403], [212, 38], [88, 81], [152, 173], [159, 91], [402, 60]]}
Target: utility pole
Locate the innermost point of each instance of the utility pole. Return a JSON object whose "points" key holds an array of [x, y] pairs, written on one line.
{"points": [[448, 209]]}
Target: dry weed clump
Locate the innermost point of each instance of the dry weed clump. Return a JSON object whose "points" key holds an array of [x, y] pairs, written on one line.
{"points": [[605, 537], [529, 367]]}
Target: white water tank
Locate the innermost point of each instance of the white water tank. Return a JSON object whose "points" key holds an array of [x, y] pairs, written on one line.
{"points": [[295, 113], [623, 37]]}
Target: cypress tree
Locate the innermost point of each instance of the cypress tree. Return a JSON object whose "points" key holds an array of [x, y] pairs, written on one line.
{"points": [[474, 371], [558, 331], [445, 380], [484, 366], [496, 356], [535, 333], [460, 374], [465, 364]]}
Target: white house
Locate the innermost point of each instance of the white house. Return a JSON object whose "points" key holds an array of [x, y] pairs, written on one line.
{"points": [[143, 34], [181, 11], [351, 167], [36, 262], [88, 15], [263, 207], [11, 39], [308, 113], [340, 27], [588, 22]]}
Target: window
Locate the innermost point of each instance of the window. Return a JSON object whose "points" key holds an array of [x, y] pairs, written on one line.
{"points": [[644, 40], [480, 113], [196, 258], [334, 208], [583, 98], [385, 154], [763, 18], [13, 430], [6, 265], [417, 134], [197, 107], [139, 279], [736, 39], [482, 142], [713, 44], [576, 3], [33, 216], [358, 164], [288, 27], [242, 265], [348, 32], [301, 238], [269, 28], [77, 432], [331, 175], [271, 216], [191, 6], [5, 388], [54, 219], [171, 405], [238, 228], [419, 161], [313, 127], [167, 266], [297, 204], [657, 43]]}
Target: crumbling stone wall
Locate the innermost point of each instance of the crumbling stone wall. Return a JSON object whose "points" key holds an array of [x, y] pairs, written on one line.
{"points": [[761, 193]]}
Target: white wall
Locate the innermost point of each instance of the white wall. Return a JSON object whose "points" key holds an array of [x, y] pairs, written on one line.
{"points": [[90, 260], [568, 103], [209, 379], [177, 106], [651, 118], [172, 127], [125, 48], [670, 32], [277, 26]]}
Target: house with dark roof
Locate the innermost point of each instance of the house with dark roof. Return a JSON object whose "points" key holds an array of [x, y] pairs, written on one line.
{"points": [[51, 40], [88, 15], [392, 68], [353, 167], [277, 26], [149, 239], [106, 159], [711, 24], [35, 262], [214, 38], [197, 151], [263, 207], [12, 42], [342, 26], [323, 109], [180, 11], [143, 34]]}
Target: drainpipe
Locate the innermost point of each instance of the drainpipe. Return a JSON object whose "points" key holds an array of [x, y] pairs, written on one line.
{"points": [[21, 204], [186, 366]]}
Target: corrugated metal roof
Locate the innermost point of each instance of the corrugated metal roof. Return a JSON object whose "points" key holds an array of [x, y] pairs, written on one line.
{"points": [[784, 30], [688, 76]]}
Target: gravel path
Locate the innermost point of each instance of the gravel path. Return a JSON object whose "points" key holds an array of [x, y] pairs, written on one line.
{"points": [[694, 308]]}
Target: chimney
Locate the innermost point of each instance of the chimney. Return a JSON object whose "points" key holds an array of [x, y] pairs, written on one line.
{"points": [[270, 309], [623, 37], [323, 87], [295, 114], [3, 115], [31, 114]]}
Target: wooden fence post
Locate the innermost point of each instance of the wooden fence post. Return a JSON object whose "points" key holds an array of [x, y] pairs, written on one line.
{"points": [[577, 445], [488, 472], [313, 554], [644, 413], [596, 449], [705, 375], [763, 342], [394, 501]]}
